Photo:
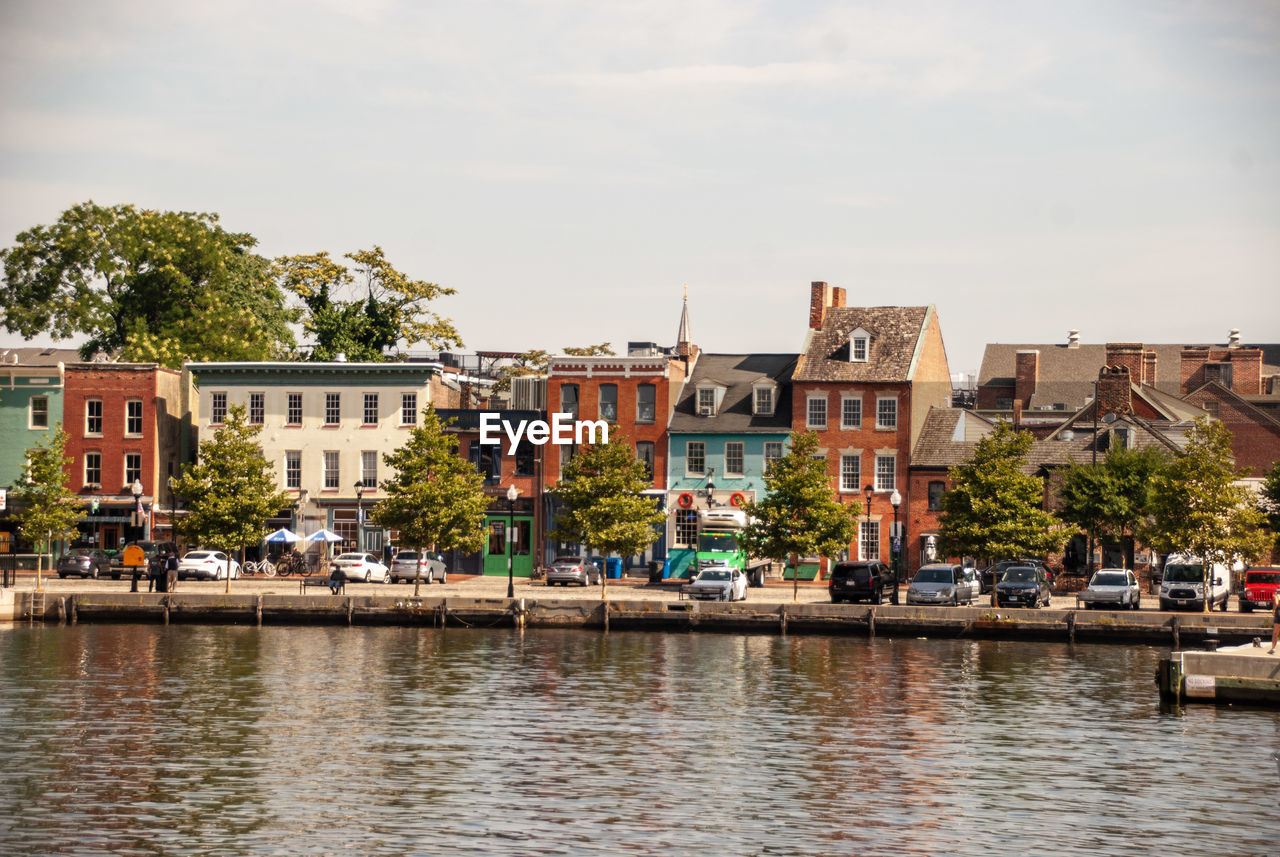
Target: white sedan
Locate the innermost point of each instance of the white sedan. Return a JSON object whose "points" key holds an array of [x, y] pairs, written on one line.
{"points": [[206, 565], [361, 566], [719, 583]]}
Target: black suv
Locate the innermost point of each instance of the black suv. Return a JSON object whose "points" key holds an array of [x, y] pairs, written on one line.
{"points": [[154, 552], [991, 576], [856, 581]]}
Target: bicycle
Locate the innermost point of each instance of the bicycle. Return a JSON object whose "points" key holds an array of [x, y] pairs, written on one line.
{"points": [[291, 565], [266, 568]]}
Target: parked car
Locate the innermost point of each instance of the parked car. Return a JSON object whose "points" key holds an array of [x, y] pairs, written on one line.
{"points": [[859, 581], [360, 566], [84, 562], [943, 583], [1182, 585], [411, 565], [153, 551], [206, 565], [1112, 587], [719, 583], [991, 575], [1023, 586], [1259, 588], [573, 569]]}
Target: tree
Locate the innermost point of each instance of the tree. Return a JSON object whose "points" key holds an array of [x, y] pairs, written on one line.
{"points": [[435, 499], [797, 516], [1199, 506], [387, 307], [604, 506], [604, 349], [1271, 498], [993, 509], [160, 285], [45, 509], [535, 362], [231, 491], [1109, 498]]}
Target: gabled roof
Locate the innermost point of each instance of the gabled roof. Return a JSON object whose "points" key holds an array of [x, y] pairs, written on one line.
{"points": [[1266, 417], [948, 437], [897, 334], [737, 373]]}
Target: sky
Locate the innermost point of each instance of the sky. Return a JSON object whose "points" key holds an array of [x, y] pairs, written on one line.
{"points": [[570, 166]]}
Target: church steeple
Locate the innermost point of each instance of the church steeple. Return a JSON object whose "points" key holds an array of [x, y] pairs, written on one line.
{"points": [[684, 339]]}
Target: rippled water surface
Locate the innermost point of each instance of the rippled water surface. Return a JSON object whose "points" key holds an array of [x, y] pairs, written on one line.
{"points": [[358, 741]]}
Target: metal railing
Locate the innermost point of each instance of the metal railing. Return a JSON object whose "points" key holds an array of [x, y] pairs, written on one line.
{"points": [[8, 569]]}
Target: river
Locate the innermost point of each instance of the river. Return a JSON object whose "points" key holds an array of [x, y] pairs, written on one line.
{"points": [[195, 740]]}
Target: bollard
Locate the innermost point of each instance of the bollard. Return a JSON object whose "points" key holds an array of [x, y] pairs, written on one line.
{"points": [[75, 617], [259, 610], [1071, 626], [871, 621]]}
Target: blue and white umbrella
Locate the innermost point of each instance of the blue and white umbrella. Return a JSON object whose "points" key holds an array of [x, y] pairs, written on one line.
{"points": [[284, 534], [324, 536]]}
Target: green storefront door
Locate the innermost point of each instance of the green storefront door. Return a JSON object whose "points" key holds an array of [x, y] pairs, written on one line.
{"points": [[499, 549]]}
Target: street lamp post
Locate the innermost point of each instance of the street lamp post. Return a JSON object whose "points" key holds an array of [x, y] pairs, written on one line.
{"points": [[512, 493], [868, 491], [895, 500], [360, 516], [136, 490]]}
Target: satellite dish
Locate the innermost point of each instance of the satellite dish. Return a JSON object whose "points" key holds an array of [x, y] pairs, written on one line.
{"points": [[1108, 418]]}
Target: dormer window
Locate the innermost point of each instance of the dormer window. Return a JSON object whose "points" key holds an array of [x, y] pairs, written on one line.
{"points": [[762, 398], [709, 398], [859, 346]]}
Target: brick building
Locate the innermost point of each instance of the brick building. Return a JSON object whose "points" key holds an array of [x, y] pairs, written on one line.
{"points": [[865, 382]]}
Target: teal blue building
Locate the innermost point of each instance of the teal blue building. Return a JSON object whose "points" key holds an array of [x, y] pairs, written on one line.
{"points": [[31, 387], [732, 418]]}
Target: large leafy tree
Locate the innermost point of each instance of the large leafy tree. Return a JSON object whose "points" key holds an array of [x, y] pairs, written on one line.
{"points": [[152, 285], [1111, 497], [536, 361], [45, 509], [231, 491], [603, 502], [435, 499], [993, 509], [1200, 507], [1271, 498], [365, 309], [797, 516]]}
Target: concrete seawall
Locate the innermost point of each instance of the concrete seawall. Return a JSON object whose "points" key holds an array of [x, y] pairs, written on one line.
{"points": [[1172, 629]]}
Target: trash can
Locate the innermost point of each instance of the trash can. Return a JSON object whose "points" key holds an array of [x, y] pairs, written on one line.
{"points": [[666, 569], [655, 571], [613, 568]]}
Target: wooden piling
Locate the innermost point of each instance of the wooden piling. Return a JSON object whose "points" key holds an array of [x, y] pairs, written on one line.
{"points": [[259, 610], [871, 621], [73, 618], [1071, 627]]}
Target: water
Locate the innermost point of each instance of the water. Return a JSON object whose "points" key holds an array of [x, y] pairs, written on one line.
{"points": [[190, 740]]}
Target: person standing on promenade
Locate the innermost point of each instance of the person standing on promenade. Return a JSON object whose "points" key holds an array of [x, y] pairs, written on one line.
{"points": [[1275, 621], [171, 572]]}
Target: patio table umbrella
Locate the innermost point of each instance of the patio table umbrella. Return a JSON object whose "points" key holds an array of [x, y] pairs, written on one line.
{"points": [[325, 536], [284, 534]]}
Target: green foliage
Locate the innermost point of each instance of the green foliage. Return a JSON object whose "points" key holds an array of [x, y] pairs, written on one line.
{"points": [[388, 306], [797, 515], [1271, 497], [44, 508], [435, 499], [993, 509], [1199, 507], [604, 506], [149, 284], [231, 492], [1110, 498], [604, 349], [529, 363]]}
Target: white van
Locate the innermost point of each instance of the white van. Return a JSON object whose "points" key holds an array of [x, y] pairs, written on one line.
{"points": [[1182, 585]]}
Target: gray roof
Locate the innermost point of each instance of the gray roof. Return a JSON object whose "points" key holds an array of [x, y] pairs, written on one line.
{"points": [[737, 373], [1066, 375], [39, 356], [895, 335]]}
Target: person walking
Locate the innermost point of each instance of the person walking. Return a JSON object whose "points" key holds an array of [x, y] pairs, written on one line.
{"points": [[171, 572], [1275, 621]]}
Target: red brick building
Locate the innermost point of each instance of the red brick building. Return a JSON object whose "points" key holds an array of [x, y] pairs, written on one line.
{"points": [[125, 423], [864, 383]]}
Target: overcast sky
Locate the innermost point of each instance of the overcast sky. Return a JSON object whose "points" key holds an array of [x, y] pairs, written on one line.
{"points": [[569, 165]]}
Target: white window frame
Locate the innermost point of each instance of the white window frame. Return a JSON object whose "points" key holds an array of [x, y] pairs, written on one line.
{"points": [[370, 407], [846, 471], [773, 450], [32, 411], [809, 403], [768, 392], [706, 401], [859, 346], [289, 410], [257, 409], [217, 407], [408, 409], [332, 408], [865, 530], [132, 473], [880, 401], [90, 417], [293, 469], [892, 458], [88, 480], [332, 475], [130, 418], [845, 401], [369, 472], [741, 448], [688, 457]]}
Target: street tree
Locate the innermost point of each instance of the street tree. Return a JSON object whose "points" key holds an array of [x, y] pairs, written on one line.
{"points": [[1200, 507], [148, 285], [45, 510], [797, 516], [364, 309], [994, 509], [603, 505], [1270, 499], [230, 492], [1109, 498], [435, 499]]}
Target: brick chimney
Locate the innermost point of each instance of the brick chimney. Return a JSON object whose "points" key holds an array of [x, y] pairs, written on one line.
{"points": [[1149, 368], [1017, 413], [819, 300], [1126, 354], [837, 296], [1115, 395], [1026, 376]]}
